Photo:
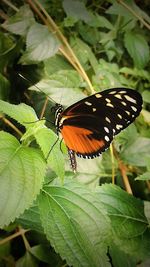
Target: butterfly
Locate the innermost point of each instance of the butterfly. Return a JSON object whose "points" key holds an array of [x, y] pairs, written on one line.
{"points": [[89, 125]]}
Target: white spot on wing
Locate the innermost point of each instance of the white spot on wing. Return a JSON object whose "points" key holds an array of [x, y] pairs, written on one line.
{"points": [[106, 129], [122, 92], [98, 95], [134, 108], [108, 100], [94, 109], [130, 99], [123, 103], [119, 126], [112, 92], [108, 120], [109, 105], [127, 112], [107, 138], [120, 117], [118, 96], [88, 103]]}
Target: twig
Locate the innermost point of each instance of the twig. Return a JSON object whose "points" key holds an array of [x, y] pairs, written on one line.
{"points": [[3, 15], [134, 13], [66, 50], [26, 243], [148, 185], [123, 170], [9, 123], [44, 108], [112, 163], [11, 5], [7, 239]]}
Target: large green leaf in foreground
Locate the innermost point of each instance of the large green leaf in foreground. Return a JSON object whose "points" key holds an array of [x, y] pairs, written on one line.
{"points": [[75, 223], [22, 171]]}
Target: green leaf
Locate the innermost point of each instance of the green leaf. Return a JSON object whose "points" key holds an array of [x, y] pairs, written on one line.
{"points": [[41, 44], [119, 258], [126, 212], [100, 21], [42, 253], [20, 22], [55, 64], [6, 50], [50, 146], [147, 210], [22, 113], [4, 250], [76, 9], [30, 219], [27, 260], [146, 96], [144, 177], [136, 153], [138, 48], [22, 171], [4, 87], [129, 224], [118, 9], [88, 171], [126, 138], [62, 87], [89, 34], [75, 223], [83, 52], [143, 74]]}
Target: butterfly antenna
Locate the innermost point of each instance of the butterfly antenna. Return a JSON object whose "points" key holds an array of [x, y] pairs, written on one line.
{"points": [[52, 148], [28, 80]]}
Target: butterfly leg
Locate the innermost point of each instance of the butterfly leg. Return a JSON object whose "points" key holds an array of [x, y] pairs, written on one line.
{"points": [[72, 158]]}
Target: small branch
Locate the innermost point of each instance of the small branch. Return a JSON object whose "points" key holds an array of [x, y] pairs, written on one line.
{"points": [[10, 5], [148, 185], [135, 14], [123, 170], [3, 15], [66, 50], [44, 108], [9, 238], [10, 124], [112, 163], [26, 243]]}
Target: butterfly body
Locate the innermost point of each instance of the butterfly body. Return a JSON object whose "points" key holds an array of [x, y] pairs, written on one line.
{"points": [[89, 126]]}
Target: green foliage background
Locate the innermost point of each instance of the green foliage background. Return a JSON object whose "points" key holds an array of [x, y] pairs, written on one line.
{"points": [[73, 50]]}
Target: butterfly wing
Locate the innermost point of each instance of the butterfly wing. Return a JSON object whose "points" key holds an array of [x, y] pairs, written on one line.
{"points": [[88, 126]]}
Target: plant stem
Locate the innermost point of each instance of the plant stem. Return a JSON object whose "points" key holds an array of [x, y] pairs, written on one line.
{"points": [[65, 49], [135, 14], [7, 239]]}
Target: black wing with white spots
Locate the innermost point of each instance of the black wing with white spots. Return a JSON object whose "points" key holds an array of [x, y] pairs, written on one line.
{"points": [[88, 126]]}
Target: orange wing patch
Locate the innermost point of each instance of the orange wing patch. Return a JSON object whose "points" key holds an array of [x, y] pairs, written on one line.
{"points": [[77, 139]]}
